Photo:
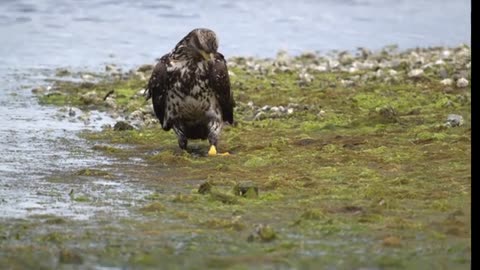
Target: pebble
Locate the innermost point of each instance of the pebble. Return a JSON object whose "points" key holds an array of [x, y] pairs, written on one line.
{"points": [[111, 102], [462, 82], [110, 67], [392, 72], [87, 77], [415, 73], [446, 82], [454, 120]]}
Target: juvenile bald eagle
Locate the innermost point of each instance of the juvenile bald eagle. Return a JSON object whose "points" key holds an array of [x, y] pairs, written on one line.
{"points": [[190, 89]]}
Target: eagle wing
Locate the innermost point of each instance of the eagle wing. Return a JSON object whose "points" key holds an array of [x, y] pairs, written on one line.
{"points": [[157, 89], [220, 84]]}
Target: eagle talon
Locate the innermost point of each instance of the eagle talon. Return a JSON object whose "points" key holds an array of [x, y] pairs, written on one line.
{"points": [[213, 152]]}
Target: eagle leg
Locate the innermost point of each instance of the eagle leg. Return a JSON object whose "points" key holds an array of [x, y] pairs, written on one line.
{"points": [[182, 142], [182, 139]]}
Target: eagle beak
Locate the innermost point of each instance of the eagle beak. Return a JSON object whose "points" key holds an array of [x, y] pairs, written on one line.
{"points": [[205, 55]]}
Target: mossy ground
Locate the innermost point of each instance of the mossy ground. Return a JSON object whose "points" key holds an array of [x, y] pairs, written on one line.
{"points": [[359, 176]]}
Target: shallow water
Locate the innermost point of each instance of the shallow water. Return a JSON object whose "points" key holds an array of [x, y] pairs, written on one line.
{"points": [[85, 33]]}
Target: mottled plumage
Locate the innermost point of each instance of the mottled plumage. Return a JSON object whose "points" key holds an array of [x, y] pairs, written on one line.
{"points": [[190, 89]]}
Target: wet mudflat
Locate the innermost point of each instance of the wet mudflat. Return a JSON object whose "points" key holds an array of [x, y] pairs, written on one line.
{"points": [[338, 161]]}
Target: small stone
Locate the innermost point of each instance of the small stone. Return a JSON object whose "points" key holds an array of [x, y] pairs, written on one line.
{"points": [[136, 115], [122, 125], [392, 72], [247, 190], [110, 67], [446, 82], [289, 110], [347, 83], [415, 73], [260, 116], [439, 62], [62, 72], [265, 108], [90, 97], [454, 120], [205, 188], [87, 77], [263, 233], [443, 73], [110, 102], [462, 82], [379, 73], [388, 113], [39, 90], [446, 53], [274, 109], [71, 112]]}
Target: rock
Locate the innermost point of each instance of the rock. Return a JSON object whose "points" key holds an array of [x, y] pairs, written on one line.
{"points": [[454, 120], [305, 78], [110, 67], [71, 112], [289, 110], [205, 188], [136, 115], [87, 77], [263, 233], [462, 82], [266, 108], [122, 125], [110, 102], [275, 109], [392, 72], [347, 83], [247, 190], [388, 113], [415, 73], [443, 73], [283, 59], [439, 62], [90, 98], [260, 116], [62, 72], [446, 82], [39, 90]]}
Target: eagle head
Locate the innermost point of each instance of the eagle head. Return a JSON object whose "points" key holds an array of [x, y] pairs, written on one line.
{"points": [[200, 44]]}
